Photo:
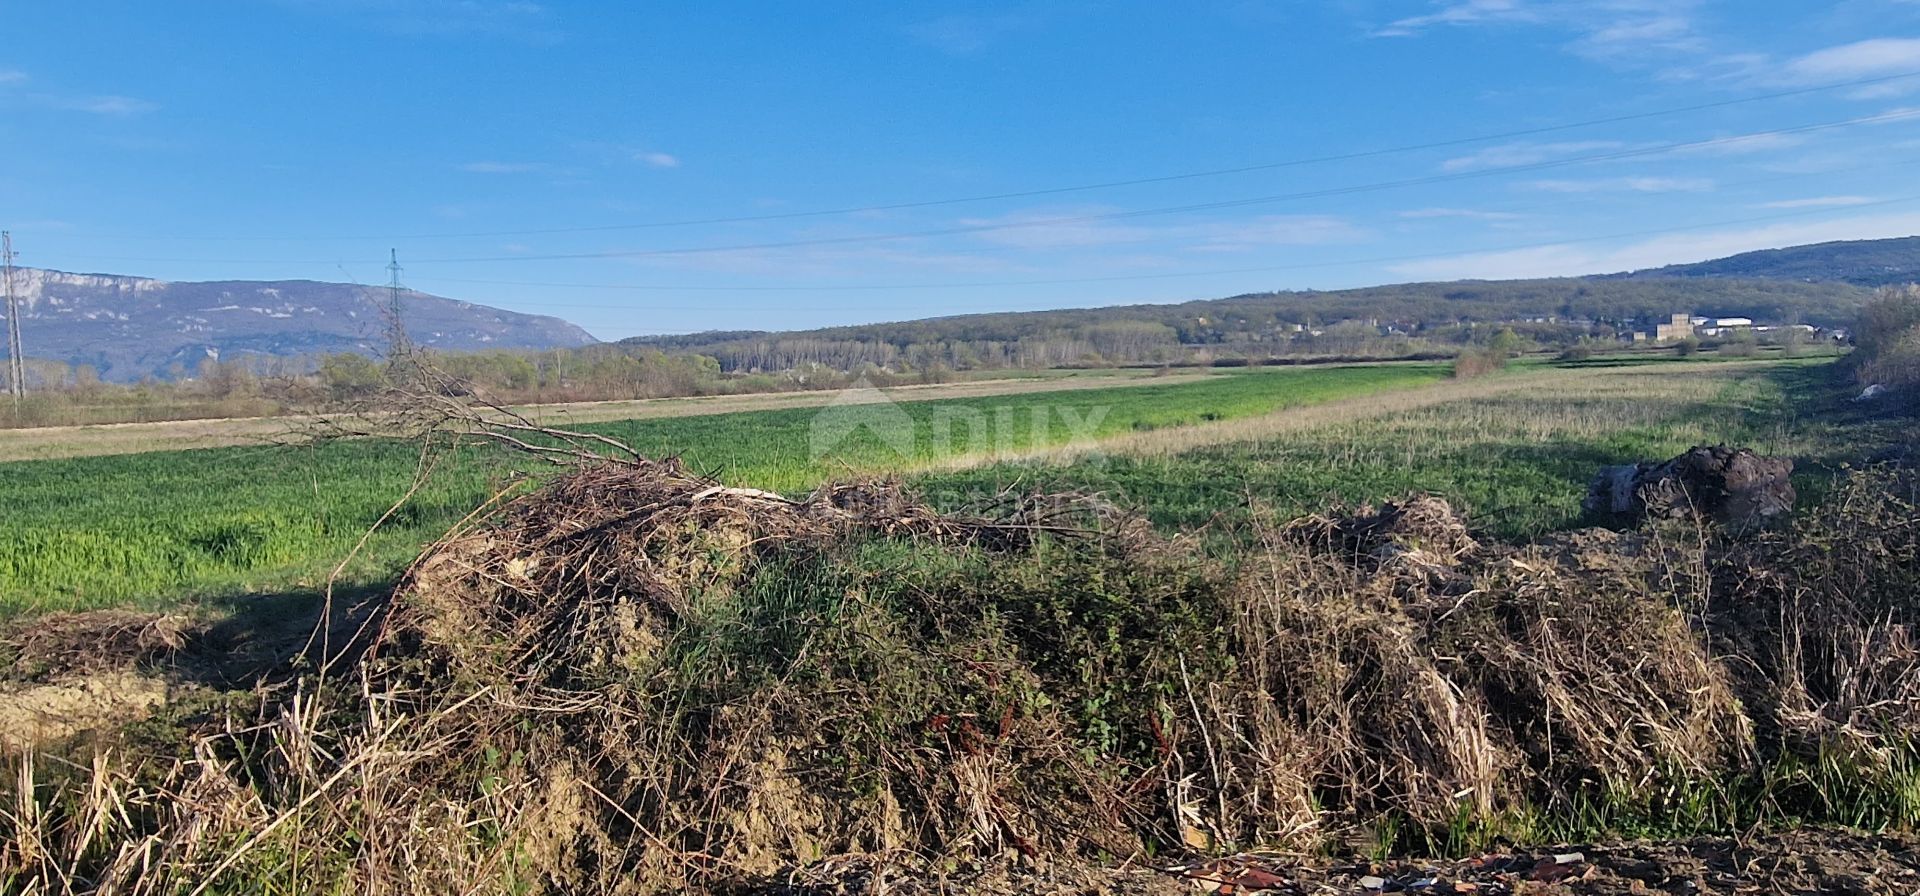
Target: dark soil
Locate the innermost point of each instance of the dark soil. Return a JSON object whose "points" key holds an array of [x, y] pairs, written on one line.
{"points": [[1807, 861]]}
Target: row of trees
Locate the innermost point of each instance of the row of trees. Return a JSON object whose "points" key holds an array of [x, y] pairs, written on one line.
{"points": [[1277, 319], [1244, 330], [1888, 339]]}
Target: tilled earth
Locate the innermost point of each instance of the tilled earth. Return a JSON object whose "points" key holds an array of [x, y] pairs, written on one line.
{"points": [[1808, 861]]}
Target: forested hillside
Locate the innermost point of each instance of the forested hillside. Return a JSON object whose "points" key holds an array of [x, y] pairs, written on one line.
{"points": [[1859, 262], [1373, 320]]}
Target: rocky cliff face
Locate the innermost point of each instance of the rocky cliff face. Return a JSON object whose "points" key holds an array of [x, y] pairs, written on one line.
{"points": [[127, 328]]}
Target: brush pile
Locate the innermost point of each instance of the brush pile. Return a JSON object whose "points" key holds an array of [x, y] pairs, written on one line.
{"points": [[637, 680], [1391, 665], [1732, 486]]}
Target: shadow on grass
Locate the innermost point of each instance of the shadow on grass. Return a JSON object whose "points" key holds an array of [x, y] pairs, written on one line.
{"points": [[271, 637]]}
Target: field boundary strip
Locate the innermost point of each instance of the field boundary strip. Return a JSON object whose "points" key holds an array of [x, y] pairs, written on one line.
{"points": [[96, 440]]}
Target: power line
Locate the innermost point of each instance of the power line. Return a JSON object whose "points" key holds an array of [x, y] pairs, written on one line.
{"points": [[1378, 186], [16, 369], [1662, 231], [1899, 115], [871, 287], [396, 324], [1088, 187]]}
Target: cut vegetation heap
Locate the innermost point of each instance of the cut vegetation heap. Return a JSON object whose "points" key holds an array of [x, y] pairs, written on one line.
{"points": [[636, 679]]}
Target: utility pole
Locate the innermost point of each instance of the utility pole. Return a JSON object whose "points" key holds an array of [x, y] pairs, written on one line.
{"points": [[396, 327], [16, 368]]}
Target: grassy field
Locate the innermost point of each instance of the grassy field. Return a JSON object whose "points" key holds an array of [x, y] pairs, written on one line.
{"points": [[1364, 682], [1516, 456], [1514, 449], [163, 528], [51, 442]]}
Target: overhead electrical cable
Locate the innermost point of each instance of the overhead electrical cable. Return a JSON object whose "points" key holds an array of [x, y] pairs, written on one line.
{"points": [[1074, 188], [1899, 115], [1425, 256], [1378, 186]]}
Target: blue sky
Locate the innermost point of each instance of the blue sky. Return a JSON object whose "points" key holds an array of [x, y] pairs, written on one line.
{"points": [[572, 158]]}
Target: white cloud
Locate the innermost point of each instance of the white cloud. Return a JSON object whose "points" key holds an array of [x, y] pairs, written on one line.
{"points": [[1879, 56], [1054, 229], [1742, 145], [1271, 230], [1612, 30], [104, 104], [503, 167], [101, 105], [1466, 213], [965, 35], [1818, 202], [1057, 229], [1626, 185], [1512, 154], [830, 261], [1463, 12], [657, 159], [516, 19], [1627, 38], [1573, 259]]}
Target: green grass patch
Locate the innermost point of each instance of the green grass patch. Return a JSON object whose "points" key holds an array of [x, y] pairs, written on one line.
{"points": [[1517, 463], [161, 528]]}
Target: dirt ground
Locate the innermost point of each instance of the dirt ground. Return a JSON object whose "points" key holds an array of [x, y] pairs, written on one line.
{"points": [[1796, 862]]}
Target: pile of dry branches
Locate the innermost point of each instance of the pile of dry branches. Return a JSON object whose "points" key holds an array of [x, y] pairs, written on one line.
{"points": [[636, 679]]}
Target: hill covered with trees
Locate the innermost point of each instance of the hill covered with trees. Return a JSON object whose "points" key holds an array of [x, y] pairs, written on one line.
{"points": [[1379, 320], [1859, 262]]}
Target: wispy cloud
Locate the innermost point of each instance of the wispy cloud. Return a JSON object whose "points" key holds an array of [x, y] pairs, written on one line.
{"points": [[1626, 185], [657, 159], [517, 19], [1859, 60], [1056, 229], [965, 35], [1627, 34], [1818, 202], [1463, 12], [1623, 30], [1417, 214], [1638, 32], [1571, 259], [1273, 230], [1512, 154], [1747, 144], [490, 167], [832, 261], [100, 105], [1881, 55]]}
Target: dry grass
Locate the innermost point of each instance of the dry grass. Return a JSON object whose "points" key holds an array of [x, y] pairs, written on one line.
{"points": [[637, 680], [1539, 405], [42, 443]]}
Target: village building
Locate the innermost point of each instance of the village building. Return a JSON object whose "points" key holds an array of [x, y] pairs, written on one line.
{"points": [[1678, 327]]}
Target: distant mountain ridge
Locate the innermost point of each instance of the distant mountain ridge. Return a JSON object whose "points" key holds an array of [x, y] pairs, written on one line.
{"points": [[128, 328], [1253, 317], [1822, 284], [1859, 262]]}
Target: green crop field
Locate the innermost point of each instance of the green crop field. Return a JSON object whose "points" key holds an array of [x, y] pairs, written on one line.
{"points": [[1517, 461], [161, 528]]}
